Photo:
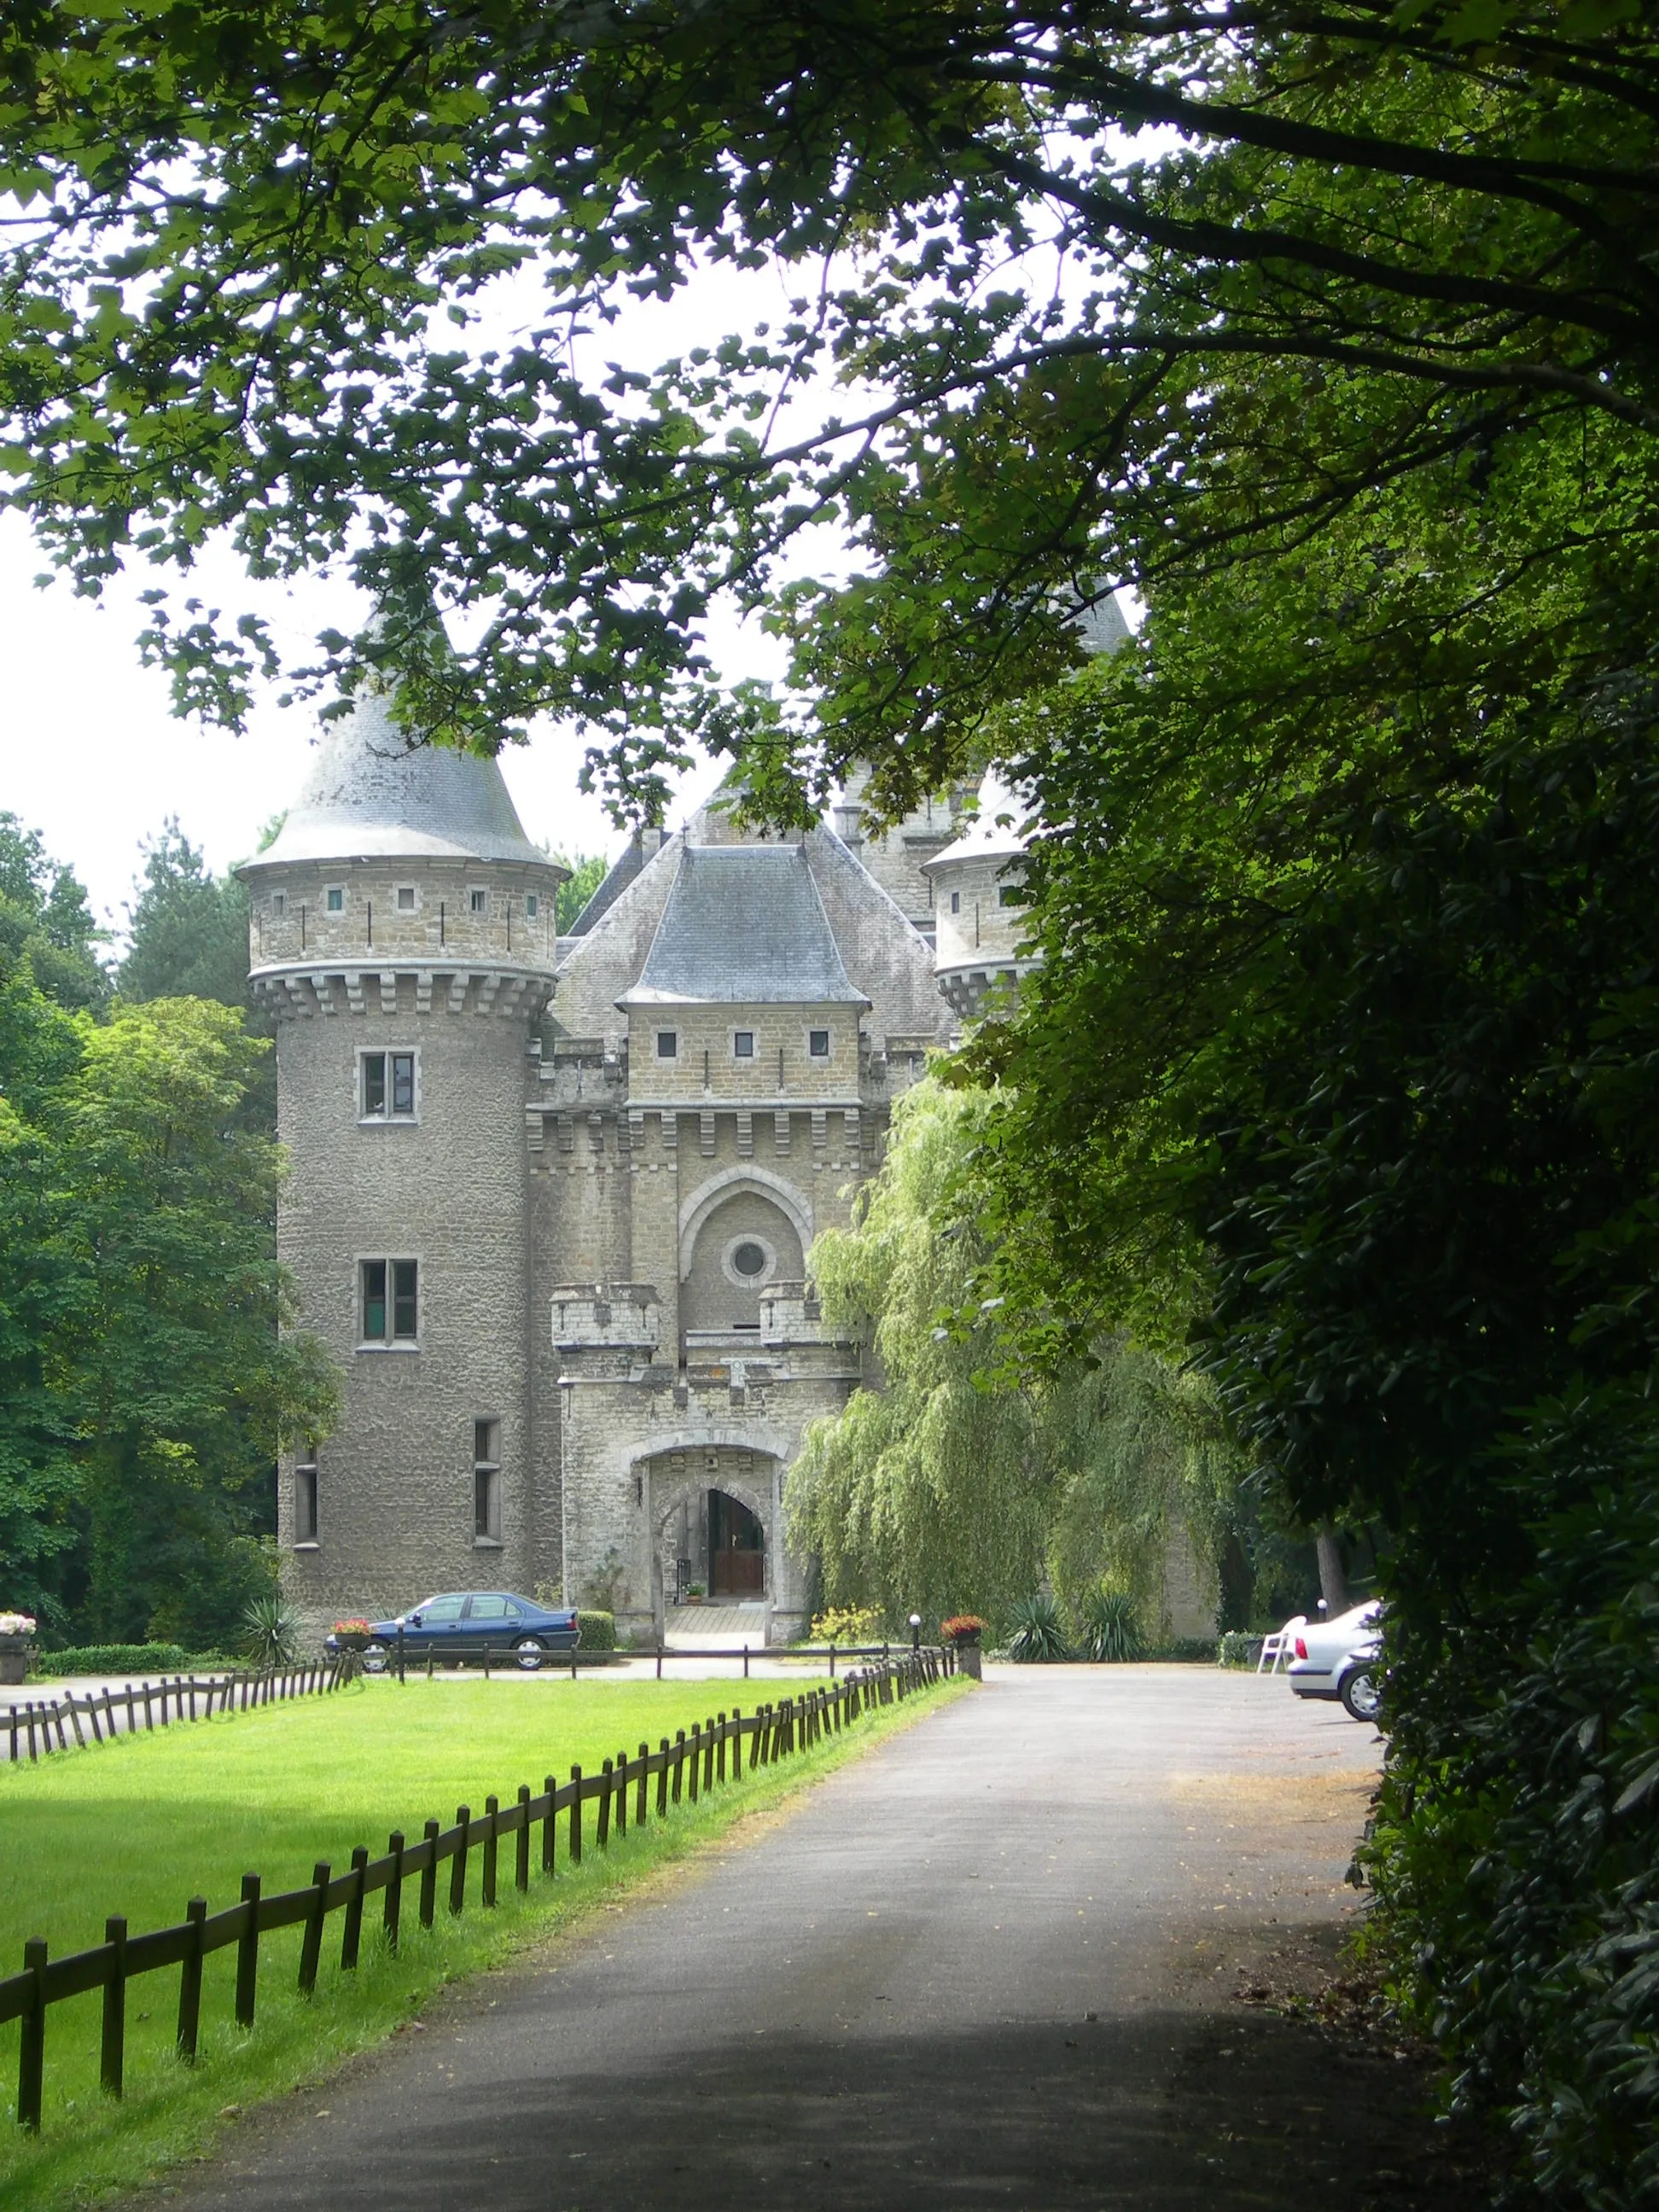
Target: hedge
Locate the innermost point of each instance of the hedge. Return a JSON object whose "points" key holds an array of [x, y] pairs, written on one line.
{"points": [[595, 1632], [123, 1659]]}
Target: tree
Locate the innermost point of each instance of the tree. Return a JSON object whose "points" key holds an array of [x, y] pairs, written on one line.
{"points": [[46, 924], [588, 871], [184, 1386], [946, 1485], [250, 232]]}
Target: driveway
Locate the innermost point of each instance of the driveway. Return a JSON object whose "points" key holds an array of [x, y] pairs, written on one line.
{"points": [[993, 1963]]}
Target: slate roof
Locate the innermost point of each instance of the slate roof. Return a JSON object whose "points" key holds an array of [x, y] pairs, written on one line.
{"points": [[997, 830], [373, 794], [643, 846], [743, 926]]}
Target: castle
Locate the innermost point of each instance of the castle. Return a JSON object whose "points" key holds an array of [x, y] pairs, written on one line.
{"points": [[550, 1198]]}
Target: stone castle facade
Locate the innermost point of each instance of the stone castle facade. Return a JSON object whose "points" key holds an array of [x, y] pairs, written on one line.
{"points": [[550, 1198]]}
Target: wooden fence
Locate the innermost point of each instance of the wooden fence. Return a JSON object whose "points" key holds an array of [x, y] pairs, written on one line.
{"points": [[192, 1697], [681, 1770]]}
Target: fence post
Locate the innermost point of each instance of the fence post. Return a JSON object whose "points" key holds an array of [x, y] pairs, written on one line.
{"points": [[247, 1954], [745, 1662], [548, 1829], [662, 1783], [458, 1864], [575, 1811], [486, 1662], [679, 1761], [621, 1793], [32, 2037], [660, 1663], [602, 1832], [311, 1948], [352, 1935], [645, 1779], [696, 1761], [394, 1889], [521, 1851], [492, 1834], [189, 1981], [113, 2057], [430, 1875]]}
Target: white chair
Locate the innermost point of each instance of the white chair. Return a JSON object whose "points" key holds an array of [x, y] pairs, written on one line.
{"points": [[1281, 1644]]}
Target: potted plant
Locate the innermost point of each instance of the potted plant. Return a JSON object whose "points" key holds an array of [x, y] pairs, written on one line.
{"points": [[352, 1635], [964, 1630], [15, 1630]]}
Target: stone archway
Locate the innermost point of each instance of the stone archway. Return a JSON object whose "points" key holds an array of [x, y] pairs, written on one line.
{"points": [[681, 1482]]}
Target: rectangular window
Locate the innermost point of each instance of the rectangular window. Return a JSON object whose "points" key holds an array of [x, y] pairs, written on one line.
{"points": [[486, 1486], [278, 904], [955, 902], [532, 905], [743, 1044], [668, 1044], [478, 901], [388, 1086], [390, 1302], [405, 898], [305, 1499], [334, 899], [818, 1043]]}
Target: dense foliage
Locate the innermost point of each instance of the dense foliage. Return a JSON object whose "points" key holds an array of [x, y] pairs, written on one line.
{"points": [[144, 1382], [947, 1485]]}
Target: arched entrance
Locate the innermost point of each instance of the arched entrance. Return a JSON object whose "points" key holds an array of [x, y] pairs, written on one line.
{"points": [[713, 1507]]}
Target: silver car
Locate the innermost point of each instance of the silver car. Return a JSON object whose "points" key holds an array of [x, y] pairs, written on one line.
{"points": [[1338, 1659]]}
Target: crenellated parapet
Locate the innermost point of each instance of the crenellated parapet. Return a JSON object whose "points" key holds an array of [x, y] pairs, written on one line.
{"points": [[297, 992], [611, 1316]]}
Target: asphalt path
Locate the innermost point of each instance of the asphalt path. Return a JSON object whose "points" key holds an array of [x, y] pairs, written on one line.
{"points": [[995, 1962]]}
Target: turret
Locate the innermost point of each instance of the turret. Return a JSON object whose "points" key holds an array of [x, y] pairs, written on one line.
{"points": [[403, 931], [979, 902]]}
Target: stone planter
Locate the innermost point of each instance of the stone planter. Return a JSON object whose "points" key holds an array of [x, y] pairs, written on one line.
{"points": [[351, 1639], [16, 1653]]}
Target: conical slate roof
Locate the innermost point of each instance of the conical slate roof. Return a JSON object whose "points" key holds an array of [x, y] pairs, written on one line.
{"points": [[997, 830], [375, 792]]}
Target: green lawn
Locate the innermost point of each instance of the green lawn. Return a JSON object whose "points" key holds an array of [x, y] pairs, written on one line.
{"points": [[140, 1827]]}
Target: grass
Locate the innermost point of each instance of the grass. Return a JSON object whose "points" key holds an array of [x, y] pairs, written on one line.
{"points": [[142, 1825]]}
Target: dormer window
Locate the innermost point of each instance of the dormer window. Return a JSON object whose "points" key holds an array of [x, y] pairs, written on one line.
{"points": [[668, 1044], [405, 898], [743, 1044], [334, 898]]}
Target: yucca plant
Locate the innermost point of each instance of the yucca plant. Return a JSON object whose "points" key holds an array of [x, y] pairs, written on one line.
{"points": [[1111, 1629], [1039, 1632], [270, 1631]]}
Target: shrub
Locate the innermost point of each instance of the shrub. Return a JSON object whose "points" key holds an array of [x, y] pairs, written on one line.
{"points": [[847, 1624], [270, 1631], [1039, 1633], [1236, 1648], [1111, 1627], [595, 1630], [122, 1659]]}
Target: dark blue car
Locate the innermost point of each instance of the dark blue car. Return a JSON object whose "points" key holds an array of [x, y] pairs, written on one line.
{"points": [[459, 1624]]}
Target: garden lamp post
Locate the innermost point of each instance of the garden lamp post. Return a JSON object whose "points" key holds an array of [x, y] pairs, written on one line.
{"points": [[915, 1632]]}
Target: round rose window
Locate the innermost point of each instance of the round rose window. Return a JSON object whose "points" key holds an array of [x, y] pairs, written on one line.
{"points": [[750, 1258]]}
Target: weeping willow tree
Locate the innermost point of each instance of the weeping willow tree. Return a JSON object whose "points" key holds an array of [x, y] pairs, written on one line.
{"points": [[949, 1484]]}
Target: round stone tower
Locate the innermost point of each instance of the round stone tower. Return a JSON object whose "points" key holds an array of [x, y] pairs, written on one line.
{"points": [[979, 905], [403, 931]]}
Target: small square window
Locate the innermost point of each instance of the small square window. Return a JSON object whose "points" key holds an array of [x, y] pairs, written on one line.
{"points": [[334, 899], [405, 898], [818, 1043], [668, 1044], [743, 1044], [532, 905], [478, 902], [388, 1086], [304, 1505], [278, 904], [955, 902]]}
